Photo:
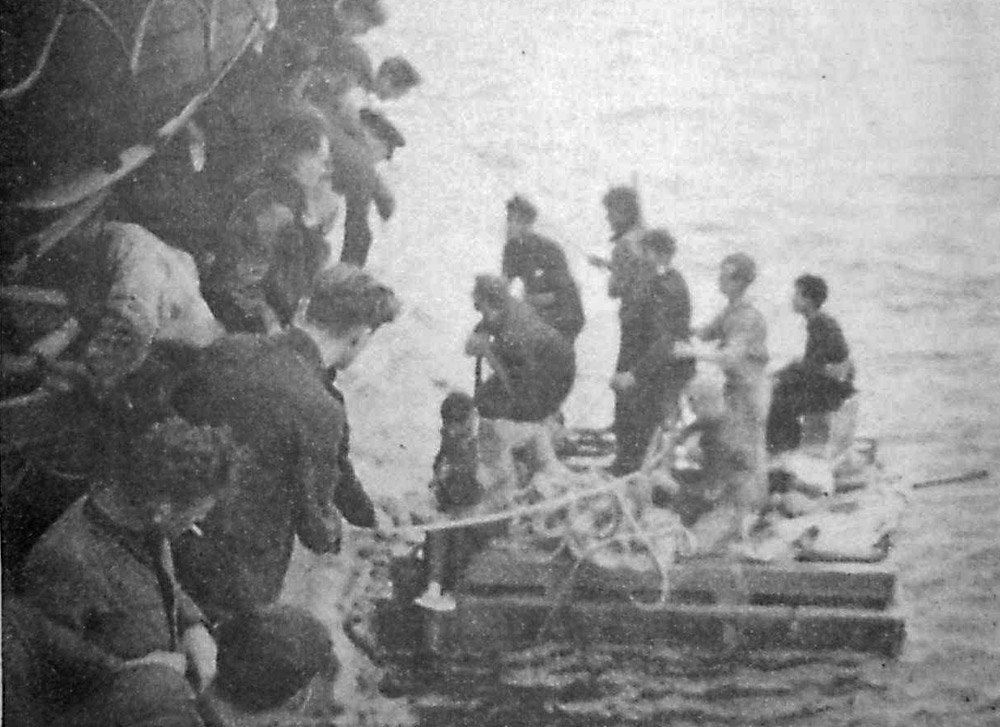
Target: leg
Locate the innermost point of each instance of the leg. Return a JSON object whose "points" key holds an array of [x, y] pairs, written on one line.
{"points": [[744, 433], [357, 231], [637, 414], [496, 458], [783, 429], [439, 552]]}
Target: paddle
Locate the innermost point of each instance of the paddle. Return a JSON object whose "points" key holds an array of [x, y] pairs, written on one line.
{"points": [[971, 476]]}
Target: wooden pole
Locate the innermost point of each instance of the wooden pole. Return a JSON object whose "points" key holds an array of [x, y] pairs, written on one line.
{"points": [[971, 476]]}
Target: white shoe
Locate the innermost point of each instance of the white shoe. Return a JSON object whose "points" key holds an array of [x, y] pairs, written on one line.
{"points": [[433, 600]]}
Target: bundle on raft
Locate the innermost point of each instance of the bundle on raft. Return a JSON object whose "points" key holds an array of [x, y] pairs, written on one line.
{"points": [[584, 557]]}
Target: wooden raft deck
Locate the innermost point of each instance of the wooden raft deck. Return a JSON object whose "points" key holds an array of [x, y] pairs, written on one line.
{"points": [[510, 599]]}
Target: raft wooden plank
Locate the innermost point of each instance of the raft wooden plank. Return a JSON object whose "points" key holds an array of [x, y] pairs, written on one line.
{"points": [[700, 581], [482, 624]]}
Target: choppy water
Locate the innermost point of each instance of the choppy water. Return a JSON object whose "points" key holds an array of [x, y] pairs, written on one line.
{"points": [[860, 141]]}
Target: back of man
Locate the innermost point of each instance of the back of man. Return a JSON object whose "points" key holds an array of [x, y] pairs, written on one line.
{"points": [[540, 362], [548, 285], [655, 314], [270, 391]]}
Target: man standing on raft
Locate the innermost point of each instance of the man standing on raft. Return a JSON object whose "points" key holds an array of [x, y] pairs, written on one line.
{"points": [[541, 265]]}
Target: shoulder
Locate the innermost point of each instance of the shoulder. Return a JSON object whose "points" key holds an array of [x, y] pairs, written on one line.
{"points": [[227, 366], [672, 283], [513, 248], [548, 246], [64, 547], [242, 347], [823, 322]]}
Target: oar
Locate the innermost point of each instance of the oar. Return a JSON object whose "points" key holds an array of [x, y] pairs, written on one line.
{"points": [[971, 476]]}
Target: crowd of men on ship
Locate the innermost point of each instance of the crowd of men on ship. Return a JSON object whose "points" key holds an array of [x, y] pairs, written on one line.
{"points": [[144, 588]]}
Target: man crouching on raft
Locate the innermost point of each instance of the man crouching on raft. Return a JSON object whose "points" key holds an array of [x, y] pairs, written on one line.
{"points": [[533, 371]]}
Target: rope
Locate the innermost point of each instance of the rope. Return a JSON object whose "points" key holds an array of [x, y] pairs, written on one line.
{"points": [[43, 59], [519, 512]]}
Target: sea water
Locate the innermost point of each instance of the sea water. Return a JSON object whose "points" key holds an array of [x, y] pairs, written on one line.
{"points": [[855, 140]]}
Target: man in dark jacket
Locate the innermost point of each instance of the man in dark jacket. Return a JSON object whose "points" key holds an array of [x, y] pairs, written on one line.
{"points": [[103, 616], [624, 215], [821, 380], [275, 243], [541, 265], [655, 314], [533, 371], [272, 392], [533, 365]]}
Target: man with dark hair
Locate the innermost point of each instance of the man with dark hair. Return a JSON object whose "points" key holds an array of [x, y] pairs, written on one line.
{"points": [[395, 77], [821, 380], [534, 366], [533, 371], [625, 219], [655, 314], [272, 391], [103, 574], [275, 242], [382, 139], [541, 265]]}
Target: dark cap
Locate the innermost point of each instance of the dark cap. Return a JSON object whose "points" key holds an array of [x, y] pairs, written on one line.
{"points": [[371, 10], [400, 72], [744, 267], [813, 288], [625, 199], [660, 241], [521, 207]]}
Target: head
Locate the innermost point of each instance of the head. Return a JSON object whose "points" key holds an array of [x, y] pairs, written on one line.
{"points": [[622, 207], [491, 298], [458, 416], [179, 471], [346, 307], [659, 246], [268, 656], [299, 148], [395, 77], [810, 294], [521, 216], [357, 17], [736, 273], [381, 134]]}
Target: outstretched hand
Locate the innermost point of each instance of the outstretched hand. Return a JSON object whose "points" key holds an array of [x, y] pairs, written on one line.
{"points": [[599, 262]]}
